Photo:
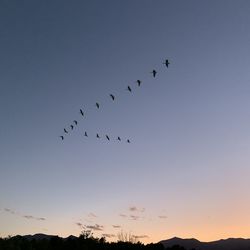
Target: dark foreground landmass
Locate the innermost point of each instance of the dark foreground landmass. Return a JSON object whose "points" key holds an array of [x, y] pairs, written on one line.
{"points": [[88, 242]]}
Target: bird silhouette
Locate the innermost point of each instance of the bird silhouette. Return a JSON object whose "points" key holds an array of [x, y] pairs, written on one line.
{"points": [[75, 122], [65, 131], [128, 141], [97, 105], [139, 83], [62, 137], [129, 89], [118, 138], [112, 96], [97, 135], [107, 137], [154, 73], [81, 112], [85, 134], [71, 127], [166, 63]]}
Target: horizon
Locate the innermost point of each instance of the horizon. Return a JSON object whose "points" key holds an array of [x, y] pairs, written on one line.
{"points": [[85, 146]]}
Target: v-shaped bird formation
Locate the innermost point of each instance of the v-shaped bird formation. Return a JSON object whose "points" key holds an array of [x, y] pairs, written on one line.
{"points": [[97, 105]]}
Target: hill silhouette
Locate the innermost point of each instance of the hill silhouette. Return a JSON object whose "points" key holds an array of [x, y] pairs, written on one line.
{"points": [[227, 244]]}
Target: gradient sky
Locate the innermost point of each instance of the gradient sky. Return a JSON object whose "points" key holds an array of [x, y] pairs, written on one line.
{"points": [[186, 171]]}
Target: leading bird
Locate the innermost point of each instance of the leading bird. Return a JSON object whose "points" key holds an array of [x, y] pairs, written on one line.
{"points": [[166, 63]]}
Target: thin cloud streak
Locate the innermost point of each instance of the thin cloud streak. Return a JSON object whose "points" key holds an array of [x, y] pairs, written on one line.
{"points": [[108, 235], [28, 217], [162, 216], [123, 215], [95, 227], [116, 226]]}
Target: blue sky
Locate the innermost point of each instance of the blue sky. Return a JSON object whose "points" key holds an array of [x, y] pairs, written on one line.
{"points": [[188, 160]]}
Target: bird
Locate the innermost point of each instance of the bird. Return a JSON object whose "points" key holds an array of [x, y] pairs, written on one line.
{"points": [[97, 105], [107, 137], [71, 127], [62, 137], [85, 134], [129, 89], [118, 138], [81, 112], [139, 83], [128, 141], [112, 96], [75, 122], [65, 131], [154, 73], [97, 135], [166, 63]]}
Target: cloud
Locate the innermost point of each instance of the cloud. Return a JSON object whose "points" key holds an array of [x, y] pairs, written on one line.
{"points": [[116, 226], [28, 217], [79, 224], [9, 211], [96, 227], [162, 216], [108, 235], [141, 236], [31, 217], [136, 209], [92, 215], [123, 215], [133, 209], [41, 218], [134, 217]]}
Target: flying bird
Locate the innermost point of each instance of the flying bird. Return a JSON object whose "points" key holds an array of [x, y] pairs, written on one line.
{"points": [[112, 96], [81, 112], [129, 89], [107, 137], [166, 63], [154, 73], [62, 137], [97, 135], [97, 105], [85, 134], [65, 131], [71, 127], [139, 83], [118, 138], [75, 122], [128, 141]]}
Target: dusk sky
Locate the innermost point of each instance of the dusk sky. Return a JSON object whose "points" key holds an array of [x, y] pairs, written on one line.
{"points": [[185, 172]]}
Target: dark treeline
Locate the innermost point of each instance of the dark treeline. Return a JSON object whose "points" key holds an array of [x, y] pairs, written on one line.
{"points": [[75, 243]]}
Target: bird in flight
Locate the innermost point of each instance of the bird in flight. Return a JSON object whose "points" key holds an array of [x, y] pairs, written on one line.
{"points": [[71, 127], [85, 134], [129, 89], [107, 137], [65, 131], [154, 73], [112, 96], [139, 83], [62, 137], [166, 63], [119, 138], [97, 105], [97, 135], [128, 141], [75, 122], [81, 112]]}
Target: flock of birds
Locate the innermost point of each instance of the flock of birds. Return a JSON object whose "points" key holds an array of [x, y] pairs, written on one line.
{"points": [[75, 122]]}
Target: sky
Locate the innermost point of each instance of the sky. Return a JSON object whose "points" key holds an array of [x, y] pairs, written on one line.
{"points": [[185, 172]]}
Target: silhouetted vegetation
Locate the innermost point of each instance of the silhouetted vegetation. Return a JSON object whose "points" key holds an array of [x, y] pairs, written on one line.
{"points": [[86, 241]]}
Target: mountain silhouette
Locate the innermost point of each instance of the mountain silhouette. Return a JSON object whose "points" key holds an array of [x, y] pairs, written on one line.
{"points": [[227, 244]]}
